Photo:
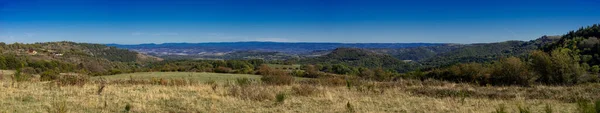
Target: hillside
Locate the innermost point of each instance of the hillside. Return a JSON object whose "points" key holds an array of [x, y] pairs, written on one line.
{"points": [[585, 41], [486, 52], [168, 49], [418, 53], [93, 59], [361, 58]]}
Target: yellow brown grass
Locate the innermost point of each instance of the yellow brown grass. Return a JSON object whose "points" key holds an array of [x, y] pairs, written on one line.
{"points": [[398, 97]]}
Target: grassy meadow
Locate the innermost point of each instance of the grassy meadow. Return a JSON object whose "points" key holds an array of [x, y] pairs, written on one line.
{"points": [[253, 96]]}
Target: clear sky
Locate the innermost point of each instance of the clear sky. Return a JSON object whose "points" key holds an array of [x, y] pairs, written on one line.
{"points": [[349, 21]]}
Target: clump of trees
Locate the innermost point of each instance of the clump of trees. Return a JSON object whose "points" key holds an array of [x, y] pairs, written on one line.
{"points": [[560, 67]]}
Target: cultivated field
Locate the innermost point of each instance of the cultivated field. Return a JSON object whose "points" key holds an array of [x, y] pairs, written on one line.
{"points": [[205, 96]]}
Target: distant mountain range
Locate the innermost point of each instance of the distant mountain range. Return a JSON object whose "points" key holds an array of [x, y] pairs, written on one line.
{"points": [[432, 54], [212, 50]]}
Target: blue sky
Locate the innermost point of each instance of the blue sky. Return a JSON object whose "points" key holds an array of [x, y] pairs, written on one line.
{"points": [[348, 21]]}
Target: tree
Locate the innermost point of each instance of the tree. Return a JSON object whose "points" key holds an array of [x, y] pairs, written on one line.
{"points": [[2, 62], [566, 67], [511, 71], [542, 64]]}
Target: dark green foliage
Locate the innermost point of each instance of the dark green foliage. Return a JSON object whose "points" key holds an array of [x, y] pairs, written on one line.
{"points": [[280, 97], [588, 107], [558, 67], [585, 41], [49, 75], [481, 53], [511, 71], [110, 53], [595, 69], [347, 61], [128, 107], [468, 72]]}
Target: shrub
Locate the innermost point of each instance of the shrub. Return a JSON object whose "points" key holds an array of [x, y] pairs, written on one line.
{"points": [[511, 71], [49, 75], [128, 107], [558, 68], [275, 77], [310, 71], [585, 107], [19, 76], [595, 69], [298, 73], [280, 97]]}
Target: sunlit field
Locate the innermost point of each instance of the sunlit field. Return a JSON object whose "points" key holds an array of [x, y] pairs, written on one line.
{"points": [[237, 95]]}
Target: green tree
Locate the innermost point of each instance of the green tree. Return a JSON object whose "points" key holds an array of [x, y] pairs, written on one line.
{"points": [[511, 71], [2, 62], [565, 66], [595, 69]]}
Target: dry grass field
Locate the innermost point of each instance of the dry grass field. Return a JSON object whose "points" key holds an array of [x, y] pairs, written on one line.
{"points": [[231, 96]]}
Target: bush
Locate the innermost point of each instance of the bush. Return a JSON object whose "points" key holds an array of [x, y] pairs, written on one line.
{"points": [[277, 79], [587, 107], [560, 67], [280, 97], [19, 76], [511, 71], [595, 69], [128, 107], [49, 75]]}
